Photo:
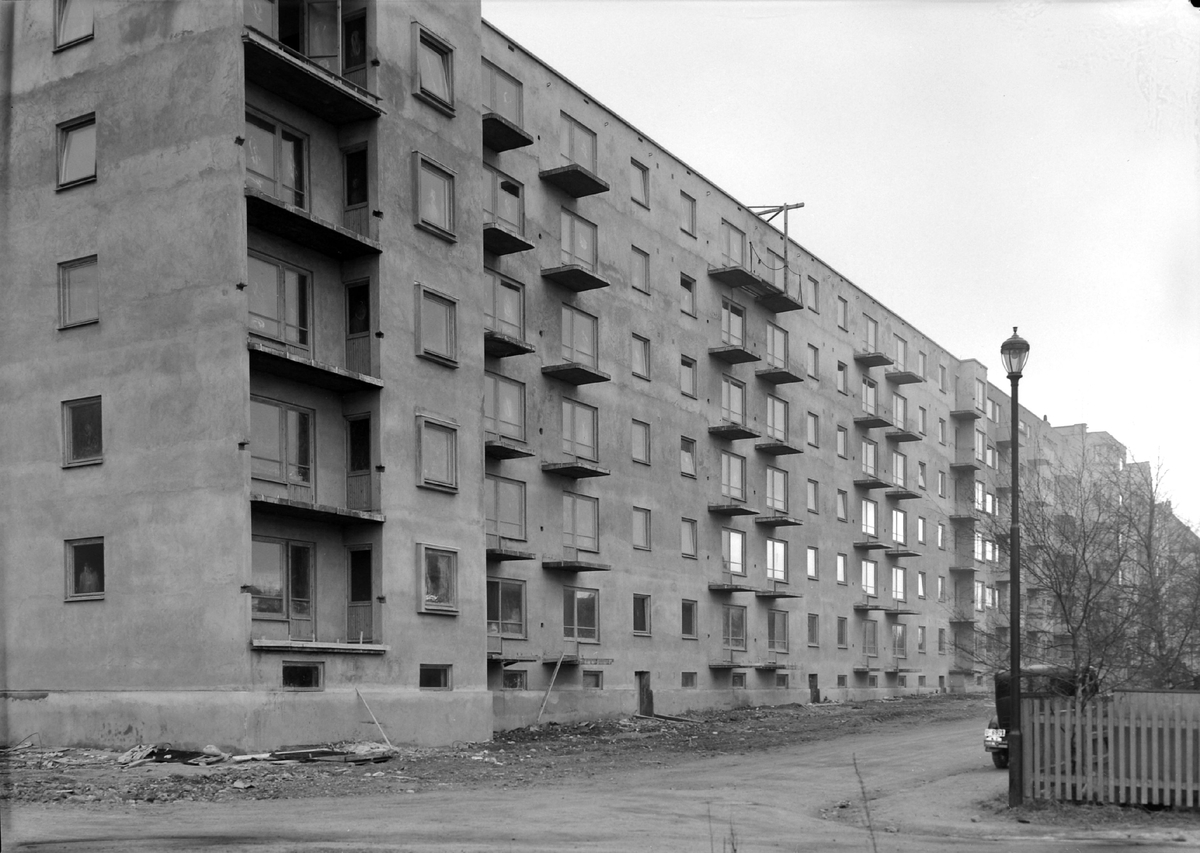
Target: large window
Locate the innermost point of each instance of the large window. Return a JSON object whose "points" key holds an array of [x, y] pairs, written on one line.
{"points": [[280, 302], [503, 201], [733, 626], [578, 337], [777, 631], [777, 568], [870, 396], [282, 444], [733, 400], [576, 144], [777, 344], [843, 632], [578, 240], [869, 569], [77, 151], [503, 406], [439, 579], [870, 453], [276, 160], [900, 640], [581, 614], [900, 526], [732, 244], [777, 489], [434, 71], [501, 93], [578, 430], [504, 311], [281, 583], [438, 454], [870, 333], [733, 323], [506, 607], [83, 442], [733, 551], [814, 629], [504, 507], [899, 469], [870, 520], [74, 22], [871, 638], [733, 476], [812, 562], [899, 583], [435, 197], [581, 522], [78, 292], [85, 568], [777, 418]]}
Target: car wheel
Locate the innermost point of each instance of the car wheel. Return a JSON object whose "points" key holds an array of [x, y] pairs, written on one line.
{"points": [[1000, 759]]}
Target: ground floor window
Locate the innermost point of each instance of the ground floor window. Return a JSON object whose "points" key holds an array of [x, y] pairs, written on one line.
{"points": [[581, 614], [593, 679], [515, 679], [282, 583], [435, 676], [303, 675]]}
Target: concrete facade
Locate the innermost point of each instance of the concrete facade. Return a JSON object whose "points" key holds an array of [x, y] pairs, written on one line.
{"points": [[331, 465]]}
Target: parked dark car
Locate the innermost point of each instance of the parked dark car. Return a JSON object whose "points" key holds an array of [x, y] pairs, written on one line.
{"points": [[1036, 680]]}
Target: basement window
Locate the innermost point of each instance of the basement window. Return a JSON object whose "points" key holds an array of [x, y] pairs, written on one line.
{"points": [[434, 676], [593, 679], [516, 679], [687, 680], [738, 680], [300, 676]]}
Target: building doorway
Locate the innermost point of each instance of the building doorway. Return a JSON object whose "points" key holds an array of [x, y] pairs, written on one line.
{"points": [[645, 694], [814, 692]]}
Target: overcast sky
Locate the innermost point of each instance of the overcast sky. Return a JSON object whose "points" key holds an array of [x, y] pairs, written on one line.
{"points": [[972, 165]]}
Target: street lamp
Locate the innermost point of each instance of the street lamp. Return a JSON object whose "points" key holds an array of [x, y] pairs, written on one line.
{"points": [[1015, 352]]}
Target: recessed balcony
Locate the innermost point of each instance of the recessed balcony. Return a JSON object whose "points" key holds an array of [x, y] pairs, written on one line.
{"points": [[778, 519], [266, 357], [903, 377], [313, 511], [734, 354], [775, 447], [575, 373], [731, 509], [577, 469], [575, 180], [499, 447], [778, 375], [501, 240], [294, 77], [873, 359], [575, 565], [499, 345], [501, 134], [871, 421], [575, 277], [269, 214], [732, 432]]}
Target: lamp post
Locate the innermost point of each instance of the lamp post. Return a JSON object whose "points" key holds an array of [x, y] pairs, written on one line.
{"points": [[1015, 352]]}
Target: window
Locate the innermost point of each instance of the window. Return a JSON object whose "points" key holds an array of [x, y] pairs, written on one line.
{"points": [[83, 442], [869, 516], [439, 579], [581, 614], [900, 411], [687, 214], [814, 629], [870, 638], [281, 583], [501, 93], [576, 144], [942, 430], [733, 400], [843, 510], [980, 444], [980, 394], [869, 451], [639, 270], [687, 376], [869, 576], [578, 430], [687, 530], [503, 406], [438, 454], [813, 429], [870, 396], [85, 568], [920, 530], [688, 624], [899, 526], [899, 470], [435, 198], [737, 679], [504, 507], [920, 639], [814, 362], [354, 173], [578, 337], [687, 456], [899, 583], [812, 561], [900, 640], [921, 364], [777, 418], [78, 292], [434, 70], [942, 378], [504, 311], [812, 294], [841, 378], [578, 241], [77, 151], [437, 324], [687, 680], [503, 202], [592, 679], [843, 441], [641, 614], [733, 551], [979, 591], [777, 569], [941, 588], [434, 676], [641, 442], [581, 522], [276, 160], [921, 474], [281, 444], [687, 295], [733, 476], [506, 607], [843, 632], [991, 456], [733, 321], [871, 329], [514, 679], [777, 631], [842, 313], [842, 568], [776, 351], [74, 22], [641, 528], [639, 180], [941, 535], [777, 489], [941, 484], [813, 496], [922, 419], [732, 243], [979, 493], [300, 676], [941, 641], [279, 302], [901, 353], [733, 627], [782, 679]]}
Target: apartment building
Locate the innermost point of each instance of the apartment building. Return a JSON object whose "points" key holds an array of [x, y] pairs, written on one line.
{"points": [[352, 355]]}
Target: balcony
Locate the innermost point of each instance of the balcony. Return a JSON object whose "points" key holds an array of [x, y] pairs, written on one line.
{"points": [[729, 431], [737, 276], [873, 359], [264, 644], [313, 511], [575, 277], [731, 509], [499, 345], [868, 603], [962, 617], [778, 301], [778, 375], [778, 519], [501, 240], [576, 469], [733, 354], [901, 493], [901, 433], [899, 551], [574, 564], [498, 447], [964, 518], [575, 180], [903, 377], [500, 134], [776, 591], [899, 608], [299, 226], [966, 464], [294, 77], [501, 554], [775, 447], [771, 665], [869, 543], [575, 373], [731, 586], [270, 358], [499, 650], [870, 480], [966, 414], [727, 663], [868, 420]]}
